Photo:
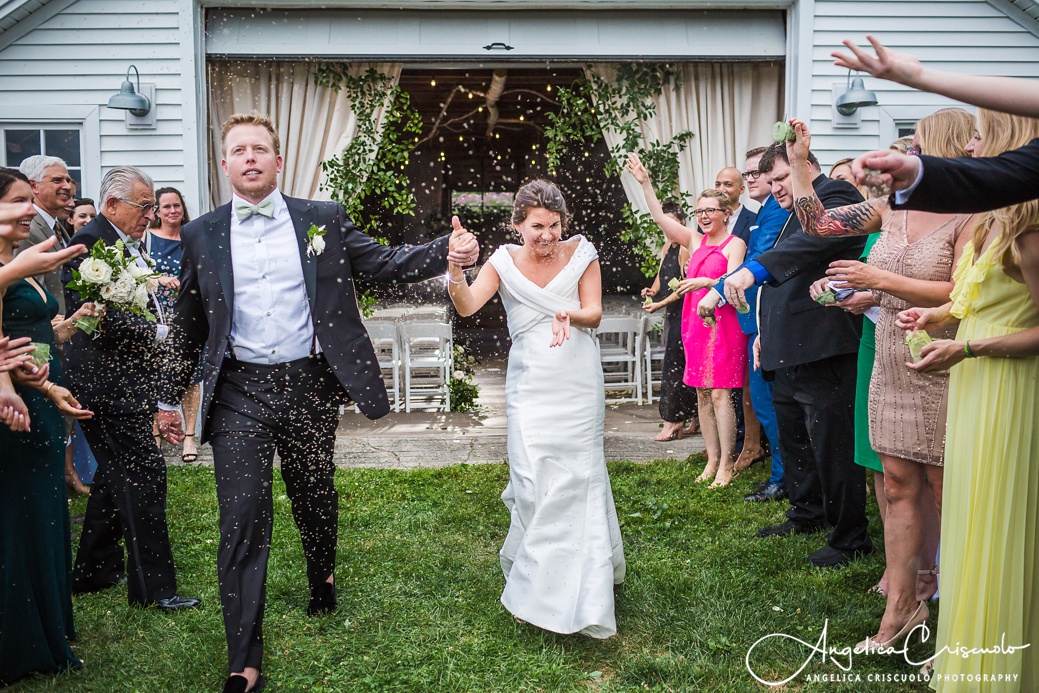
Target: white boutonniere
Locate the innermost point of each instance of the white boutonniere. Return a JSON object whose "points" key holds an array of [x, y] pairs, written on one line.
{"points": [[316, 246]]}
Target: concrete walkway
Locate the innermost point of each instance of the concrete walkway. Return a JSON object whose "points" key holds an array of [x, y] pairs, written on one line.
{"points": [[436, 439]]}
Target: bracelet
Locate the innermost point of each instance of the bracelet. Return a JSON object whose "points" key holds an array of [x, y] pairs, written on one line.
{"points": [[967, 350], [452, 281], [47, 387]]}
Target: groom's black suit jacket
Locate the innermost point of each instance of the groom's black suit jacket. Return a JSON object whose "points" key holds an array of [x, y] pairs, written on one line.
{"points": [[203, 312], [966, 186], [118, 366]]}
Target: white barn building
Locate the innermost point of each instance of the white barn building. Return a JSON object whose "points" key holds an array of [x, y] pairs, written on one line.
{"points": [[61, 60]]}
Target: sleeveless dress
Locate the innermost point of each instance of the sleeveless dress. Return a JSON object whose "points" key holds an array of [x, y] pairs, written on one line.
{"points": [[865, 455], [990, 505], [563, 553], [907, 409], [677, 401], [715, 357], [35, 544]]}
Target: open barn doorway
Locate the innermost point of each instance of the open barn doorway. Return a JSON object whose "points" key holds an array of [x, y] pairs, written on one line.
{"points": [[482, 138]]}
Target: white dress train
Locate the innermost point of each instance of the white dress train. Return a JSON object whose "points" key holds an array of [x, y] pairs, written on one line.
{"points": [[563, 553]]}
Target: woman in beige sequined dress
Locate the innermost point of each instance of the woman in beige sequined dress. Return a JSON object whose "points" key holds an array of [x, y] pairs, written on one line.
{"points": [[910, 263]]}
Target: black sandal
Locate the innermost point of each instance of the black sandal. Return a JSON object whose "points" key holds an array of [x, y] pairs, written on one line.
{"points": [[189, 457]]}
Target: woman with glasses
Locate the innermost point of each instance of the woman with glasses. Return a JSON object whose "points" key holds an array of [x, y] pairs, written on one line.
{"points": [[716, 353], [910, 264], [163, 244]]}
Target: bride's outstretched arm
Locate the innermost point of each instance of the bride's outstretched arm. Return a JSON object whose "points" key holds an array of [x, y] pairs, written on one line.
{"points": [[470, 298]]}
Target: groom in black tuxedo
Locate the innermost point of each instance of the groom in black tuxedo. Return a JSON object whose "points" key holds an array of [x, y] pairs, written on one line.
{"points": [[274, 304]]}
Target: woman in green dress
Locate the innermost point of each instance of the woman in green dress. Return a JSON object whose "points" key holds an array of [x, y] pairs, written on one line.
{"points": [[35, 546]]}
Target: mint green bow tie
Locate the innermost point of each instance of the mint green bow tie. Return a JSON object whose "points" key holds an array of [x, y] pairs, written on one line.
{"points": [[244, 210], [134, 243]]}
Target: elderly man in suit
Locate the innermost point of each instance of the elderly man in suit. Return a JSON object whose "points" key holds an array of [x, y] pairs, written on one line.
{"points": [[274, 302], [52, 191], [114, 373], [811, 352]]}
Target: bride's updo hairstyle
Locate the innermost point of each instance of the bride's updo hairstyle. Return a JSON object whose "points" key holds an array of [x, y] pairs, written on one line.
{"points": [[543, 194]]}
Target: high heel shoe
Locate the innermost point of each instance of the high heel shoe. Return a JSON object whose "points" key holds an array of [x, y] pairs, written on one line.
{"points": [[741, 465], [871, 646], [674, 435]]}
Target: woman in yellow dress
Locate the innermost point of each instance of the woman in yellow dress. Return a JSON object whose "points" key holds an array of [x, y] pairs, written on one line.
{"points": [[989, 557]]}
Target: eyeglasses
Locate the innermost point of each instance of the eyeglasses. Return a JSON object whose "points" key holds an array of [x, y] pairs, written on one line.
{"points": [[706, 212], [752, 175], [153, 208], [913, 150]]}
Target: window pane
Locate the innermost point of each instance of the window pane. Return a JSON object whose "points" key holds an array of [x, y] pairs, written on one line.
{"points": [[63, 144], [77, 176], [21, 144]]}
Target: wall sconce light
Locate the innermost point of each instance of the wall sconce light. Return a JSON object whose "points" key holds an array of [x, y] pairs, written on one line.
{"points": [[129, 100], [856, 96]]}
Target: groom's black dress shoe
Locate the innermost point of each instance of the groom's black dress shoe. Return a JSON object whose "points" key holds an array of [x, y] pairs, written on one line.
{"points": [[177, 602], [322, 600], [237, 684]]}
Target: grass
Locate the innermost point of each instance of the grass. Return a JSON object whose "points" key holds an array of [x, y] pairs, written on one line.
{"points": [[419, 581]]}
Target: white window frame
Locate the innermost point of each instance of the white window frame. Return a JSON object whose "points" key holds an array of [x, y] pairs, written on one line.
{"points": [[86, 119], [894, 117]]}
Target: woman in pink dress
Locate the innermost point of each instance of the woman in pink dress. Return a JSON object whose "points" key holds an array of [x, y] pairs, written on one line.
{"points": [[715, 351], [715, 355]]}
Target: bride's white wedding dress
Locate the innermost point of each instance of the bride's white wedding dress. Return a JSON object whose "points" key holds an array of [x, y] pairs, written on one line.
{"points": [[563, 553]]}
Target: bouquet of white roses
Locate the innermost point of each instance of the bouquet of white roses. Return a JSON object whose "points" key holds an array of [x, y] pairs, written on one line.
{"points": [[111, 279]]}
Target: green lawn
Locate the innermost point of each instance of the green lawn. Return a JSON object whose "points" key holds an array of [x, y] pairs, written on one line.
{"points": [[418, 582]]}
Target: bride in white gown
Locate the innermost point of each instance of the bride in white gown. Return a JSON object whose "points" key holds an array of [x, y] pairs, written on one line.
{"points": [[563, 553]]}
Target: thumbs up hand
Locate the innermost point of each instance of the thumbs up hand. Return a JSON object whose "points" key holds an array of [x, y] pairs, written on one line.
{"points": [[463, 248]]}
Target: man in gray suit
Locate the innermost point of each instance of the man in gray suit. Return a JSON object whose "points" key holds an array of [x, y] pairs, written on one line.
{"points": [[52, 190]]}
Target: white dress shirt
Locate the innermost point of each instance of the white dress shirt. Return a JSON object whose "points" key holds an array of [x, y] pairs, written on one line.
{"points": [[46, 217], [734, 216], [271, 320]]}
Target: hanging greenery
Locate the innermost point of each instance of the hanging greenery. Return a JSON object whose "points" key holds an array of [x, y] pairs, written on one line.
{"points": [[358, 173], [592, 105]]}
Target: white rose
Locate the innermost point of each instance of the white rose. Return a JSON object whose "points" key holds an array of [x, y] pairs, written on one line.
{"points": [[121, 290], [459, 375], [152, 283], [137, 272], [141, 296], [318, 244], [94, 271]]}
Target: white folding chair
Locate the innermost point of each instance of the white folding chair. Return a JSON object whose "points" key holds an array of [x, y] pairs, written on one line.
{"points": [[428, 361], [653, 352], [620, 351], [383, 334]]}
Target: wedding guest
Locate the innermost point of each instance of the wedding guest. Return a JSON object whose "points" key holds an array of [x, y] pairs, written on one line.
{"points": [[114, 373], [563, 553], [52, 188], [812, 353], [715, 353], [35, 544], [770, 222], [730, 181], [280, 360], [164, 248], [83, 212], [677, 400], [910, 264], [989, 556]]}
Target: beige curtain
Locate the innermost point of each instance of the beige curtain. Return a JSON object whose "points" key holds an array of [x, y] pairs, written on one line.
{"points": [[314, 123], [729, 107]]}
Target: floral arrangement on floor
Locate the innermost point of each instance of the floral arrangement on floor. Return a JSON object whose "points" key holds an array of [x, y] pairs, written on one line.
{"points": [[113, 280], [464, 392]]}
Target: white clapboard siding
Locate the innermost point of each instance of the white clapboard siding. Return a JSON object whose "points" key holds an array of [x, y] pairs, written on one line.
{"points": [[77, 59], [968, 36]]}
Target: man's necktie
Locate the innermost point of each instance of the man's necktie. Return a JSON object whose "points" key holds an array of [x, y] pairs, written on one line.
{"points": [[134, 243], [244, 210]]}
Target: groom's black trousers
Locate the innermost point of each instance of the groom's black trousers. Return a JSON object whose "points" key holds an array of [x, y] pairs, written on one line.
{"points": [[257, 410]]}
